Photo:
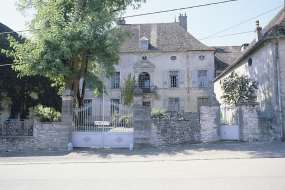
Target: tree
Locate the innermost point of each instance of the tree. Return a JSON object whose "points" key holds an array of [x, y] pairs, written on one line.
{"points": [[130, 83], [24, 92], [70, 40], [235, 87]]}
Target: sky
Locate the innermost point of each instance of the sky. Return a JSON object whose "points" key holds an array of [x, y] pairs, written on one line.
{"points": [[201, 22]]}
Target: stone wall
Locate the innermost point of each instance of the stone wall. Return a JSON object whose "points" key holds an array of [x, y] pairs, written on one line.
{"points": [[46, 136], [269, 126], [210, 121], [165, 132]]}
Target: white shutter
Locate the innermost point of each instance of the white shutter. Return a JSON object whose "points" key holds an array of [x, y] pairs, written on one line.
{"points": [[181, 79], [165, 103], [210, 78], [165, 79], [181, 105], [194, 79]]}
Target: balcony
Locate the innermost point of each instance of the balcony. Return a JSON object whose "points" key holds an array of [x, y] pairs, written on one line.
{"points": [[147, 89]]}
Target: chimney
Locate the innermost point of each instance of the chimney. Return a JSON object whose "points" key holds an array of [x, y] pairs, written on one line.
{"points": [[183, 21], [243, 47], [258, 31], [121, 21]]}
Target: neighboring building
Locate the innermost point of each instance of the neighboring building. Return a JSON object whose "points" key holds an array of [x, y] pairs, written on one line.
{"points": [[226, 56], [174, 69], [263, 60]]}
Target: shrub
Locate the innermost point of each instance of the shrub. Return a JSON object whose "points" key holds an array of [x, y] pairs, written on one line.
{"points": [[158, 113], [46, 114]]}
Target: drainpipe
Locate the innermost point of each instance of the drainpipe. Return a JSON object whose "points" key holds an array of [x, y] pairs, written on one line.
{"points": [[279, 91]]}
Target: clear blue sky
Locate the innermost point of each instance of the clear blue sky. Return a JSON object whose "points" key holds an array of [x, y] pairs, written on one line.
{"points": [[202, 22]]}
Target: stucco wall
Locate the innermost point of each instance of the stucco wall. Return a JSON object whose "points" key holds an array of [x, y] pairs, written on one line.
{"points": [[156, 65], [262, 70]]}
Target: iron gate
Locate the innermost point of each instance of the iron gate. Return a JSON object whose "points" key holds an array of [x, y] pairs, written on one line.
{"points": [[229, 123], [102, 124]]}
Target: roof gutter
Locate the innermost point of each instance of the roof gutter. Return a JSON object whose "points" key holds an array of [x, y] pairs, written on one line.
{"points": [[279, 90]]}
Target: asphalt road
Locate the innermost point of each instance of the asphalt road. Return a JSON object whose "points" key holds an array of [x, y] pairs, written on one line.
{"points": [[258, 173]]}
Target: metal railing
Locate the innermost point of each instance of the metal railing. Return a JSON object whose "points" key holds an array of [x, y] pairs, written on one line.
{"points": [[15, 127], [147, 89], [103, 117]]}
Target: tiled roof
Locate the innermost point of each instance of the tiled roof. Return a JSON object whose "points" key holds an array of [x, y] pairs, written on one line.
{"points": [[225, 56], [162, 37], [276, 27]]}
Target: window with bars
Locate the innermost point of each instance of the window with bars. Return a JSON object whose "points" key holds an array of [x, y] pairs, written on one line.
{"points": [[115, 81], [173, 75], [146, 104], [202, 78]]}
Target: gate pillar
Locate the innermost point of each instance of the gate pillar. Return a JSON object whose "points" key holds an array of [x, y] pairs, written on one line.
{"points": [[141, 121], [66, 116], [210, 120]]}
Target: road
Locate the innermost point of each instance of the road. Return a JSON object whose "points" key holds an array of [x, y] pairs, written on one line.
{"points": [[261, 174]]}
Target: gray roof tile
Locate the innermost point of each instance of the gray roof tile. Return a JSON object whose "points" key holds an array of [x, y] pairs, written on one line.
{"points": [[162, 37]]}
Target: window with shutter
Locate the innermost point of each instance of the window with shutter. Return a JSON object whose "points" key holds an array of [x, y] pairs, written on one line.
{"points": [[202, 79]]}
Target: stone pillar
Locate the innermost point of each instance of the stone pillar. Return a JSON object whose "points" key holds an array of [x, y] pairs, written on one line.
{"points": [[141, 121], [248, 121], [210, 120], [65, 128], [67, 106]]}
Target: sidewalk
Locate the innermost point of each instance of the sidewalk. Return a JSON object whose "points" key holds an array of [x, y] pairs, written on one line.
{"points": [[212, 151]]}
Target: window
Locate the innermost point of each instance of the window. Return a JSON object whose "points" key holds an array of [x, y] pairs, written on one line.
{"points": [[173, 58], [144, 58], [173, 106], [202, 79], [201, 57], [249, 62], [173, 75], [87, 103], [146, 104], [202, 100], [115, 81], [144, 82], [115, 106], [144, 43]]}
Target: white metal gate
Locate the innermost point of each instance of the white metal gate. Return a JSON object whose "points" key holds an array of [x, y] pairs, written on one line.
{"points": [[102, 124], [229, 123]]}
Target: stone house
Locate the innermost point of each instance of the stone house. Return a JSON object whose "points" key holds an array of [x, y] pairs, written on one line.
{"points": [[263, 60], [173, 68]]}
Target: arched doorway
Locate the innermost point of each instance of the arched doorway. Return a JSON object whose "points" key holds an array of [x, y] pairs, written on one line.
{"points": [[144, 82]]}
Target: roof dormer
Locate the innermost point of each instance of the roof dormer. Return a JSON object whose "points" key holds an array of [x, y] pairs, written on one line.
{"points": [[144, 43]]}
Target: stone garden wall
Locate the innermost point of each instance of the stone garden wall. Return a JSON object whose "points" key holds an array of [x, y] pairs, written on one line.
{"points": [[46, 136], [168, 132]]}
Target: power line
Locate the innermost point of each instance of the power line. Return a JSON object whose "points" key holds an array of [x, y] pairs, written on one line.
{"points": [[230, 34], [132, 15], [171, 10], [242, 22]]}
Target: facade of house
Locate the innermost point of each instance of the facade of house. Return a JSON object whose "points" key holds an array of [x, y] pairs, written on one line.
{"points": [[263, 60], [173, 69]]}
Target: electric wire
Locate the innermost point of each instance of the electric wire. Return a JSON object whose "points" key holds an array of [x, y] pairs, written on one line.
{"points": [[144, 14], [241, 22]]}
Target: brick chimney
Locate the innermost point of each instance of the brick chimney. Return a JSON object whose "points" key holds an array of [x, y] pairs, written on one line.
{"points": [[183, 20], [258, 31]]}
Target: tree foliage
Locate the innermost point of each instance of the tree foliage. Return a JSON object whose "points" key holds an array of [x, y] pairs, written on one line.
{"points": [[70, 40], [128, 97], [235, 87], [24, 92]]}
